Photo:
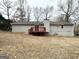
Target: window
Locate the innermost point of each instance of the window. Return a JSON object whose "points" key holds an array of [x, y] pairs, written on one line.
{"points": [[62, 26]]}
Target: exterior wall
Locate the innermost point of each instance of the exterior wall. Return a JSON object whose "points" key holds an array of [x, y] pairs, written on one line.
{"points": [[53, 29], [19, 28], [65, 31], [47, 25]]}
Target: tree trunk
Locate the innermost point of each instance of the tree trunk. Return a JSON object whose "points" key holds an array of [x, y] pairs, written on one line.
{"points": [[8, 12], [28, 17], [67, 18]]}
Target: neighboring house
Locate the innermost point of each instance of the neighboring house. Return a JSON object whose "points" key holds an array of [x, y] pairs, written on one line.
{"points": [[53, 28]]}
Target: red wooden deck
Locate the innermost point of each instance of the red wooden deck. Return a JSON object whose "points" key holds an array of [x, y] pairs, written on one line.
{"points": [[37, 30]]}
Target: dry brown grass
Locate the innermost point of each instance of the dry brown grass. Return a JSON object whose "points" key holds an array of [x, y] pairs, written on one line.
{"points": [[23, 46]]}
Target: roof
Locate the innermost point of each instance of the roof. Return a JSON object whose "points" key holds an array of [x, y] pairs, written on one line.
{"points": [[61, 23], [27, 23], [41, 23]]}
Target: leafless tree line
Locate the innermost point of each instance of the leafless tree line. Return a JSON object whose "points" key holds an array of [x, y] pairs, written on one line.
{"points": [[43, 13], [70, 8], [6, 5]]}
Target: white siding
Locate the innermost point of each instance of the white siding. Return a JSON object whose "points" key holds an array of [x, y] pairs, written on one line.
{"points": [[47, 25], [65, 31], [53, 30], [19, 28]]}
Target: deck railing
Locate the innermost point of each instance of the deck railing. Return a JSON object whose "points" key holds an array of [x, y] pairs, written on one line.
{"points": [[37, 29]]}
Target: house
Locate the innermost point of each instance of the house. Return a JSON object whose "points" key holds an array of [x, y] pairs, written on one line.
{"points": [[53, 28]]}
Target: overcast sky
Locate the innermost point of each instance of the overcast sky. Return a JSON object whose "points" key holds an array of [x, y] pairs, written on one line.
{"points": [[40, 3]]}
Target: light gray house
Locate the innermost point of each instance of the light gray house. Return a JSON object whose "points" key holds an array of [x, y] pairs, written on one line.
{"points": [[53, 28]]}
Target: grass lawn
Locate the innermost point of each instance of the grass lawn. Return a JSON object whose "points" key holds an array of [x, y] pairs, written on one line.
{"points": [[23, 46]]}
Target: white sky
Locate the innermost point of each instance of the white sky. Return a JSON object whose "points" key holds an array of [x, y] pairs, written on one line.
{"points": [[40, 3]]}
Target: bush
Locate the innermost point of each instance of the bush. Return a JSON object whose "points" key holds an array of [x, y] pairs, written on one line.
{"points": [[5, 24]]}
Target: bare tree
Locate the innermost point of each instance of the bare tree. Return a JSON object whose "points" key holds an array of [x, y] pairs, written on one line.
{"points": [[18, 15], [60, 18], [28, 13], [20, 11], [6, 5], [38, 13], [69, 8], [48, 12]]}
